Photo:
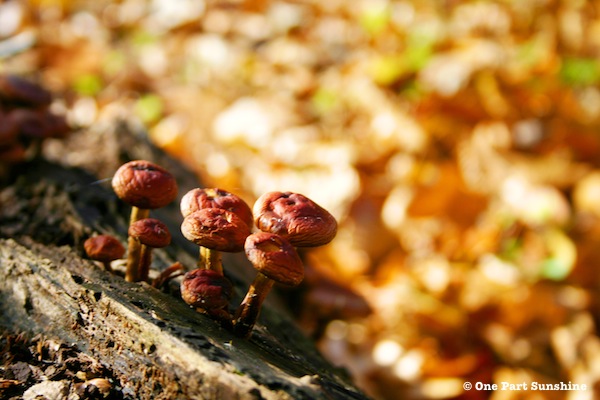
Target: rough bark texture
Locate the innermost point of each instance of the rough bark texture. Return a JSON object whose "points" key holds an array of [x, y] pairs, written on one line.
{"points": [[154, 345]]}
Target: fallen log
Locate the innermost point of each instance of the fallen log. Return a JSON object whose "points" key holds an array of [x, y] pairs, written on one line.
{"points": [[149, 342]]}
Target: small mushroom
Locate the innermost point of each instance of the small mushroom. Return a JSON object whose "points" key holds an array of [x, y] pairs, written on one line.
{"points": [[209, 292], [152, 234], [104, 248], [296, 217], [29, 123], [8, 130], [172, 271], [217, 230], [21, 91], [14, 153], [56, 125], [31, 129], [276, 260], [143, 185]]}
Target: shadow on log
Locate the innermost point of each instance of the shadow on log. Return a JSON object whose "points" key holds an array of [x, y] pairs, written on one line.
{"points": [[151, 342]]}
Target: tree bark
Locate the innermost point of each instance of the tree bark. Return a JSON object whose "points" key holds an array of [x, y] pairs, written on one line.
{"points": [[154, 344]]}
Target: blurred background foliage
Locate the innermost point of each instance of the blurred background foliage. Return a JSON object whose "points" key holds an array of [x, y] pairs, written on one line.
{"points": [[456, 142]]}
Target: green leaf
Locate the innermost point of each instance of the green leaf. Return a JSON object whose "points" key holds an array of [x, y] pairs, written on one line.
{"points": [[386, 70], [562, 257], [375, 19], [324, 100], [87, 84], [149, 108], [580, 71]]}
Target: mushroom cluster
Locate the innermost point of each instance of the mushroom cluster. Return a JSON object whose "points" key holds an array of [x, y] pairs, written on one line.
{"points": [[25, 120], [286, 220], [144, 186], [217, 220]]}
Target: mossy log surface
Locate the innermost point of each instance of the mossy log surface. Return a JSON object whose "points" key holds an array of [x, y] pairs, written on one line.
{"points": [[153, 343]]}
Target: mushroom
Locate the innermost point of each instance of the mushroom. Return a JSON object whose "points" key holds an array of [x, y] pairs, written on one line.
{"points": [[151, 234], [276, 260], [144, 186], [21, 91], [217, 230], [9, 131], [104, 248], [209, 292], [296, 217], [172, 271], [197, 199], [13, 154]]}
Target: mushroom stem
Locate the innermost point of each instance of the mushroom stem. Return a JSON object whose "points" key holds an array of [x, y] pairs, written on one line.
{"points": [[134, 254], [247, 313], [138, 213], [132, 273], [145, 260], [149, 233], [220, 315], [107, 266], [210, 259], [174, 270]]}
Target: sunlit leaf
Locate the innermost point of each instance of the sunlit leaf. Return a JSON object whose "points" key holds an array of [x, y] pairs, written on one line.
{"points": [[419, 51], [375, 19], [580, 71], [114, 62], [88, 84], [324, 100], [149, 108], [562, 257], [387, 69]]}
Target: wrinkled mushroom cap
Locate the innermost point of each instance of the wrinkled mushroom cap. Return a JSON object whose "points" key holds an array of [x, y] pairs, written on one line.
{"points": [[197, 199], [104, 248], [275, 257], [296, 217], [216, 229], [144, 185], [207, 289], [150, 232]]}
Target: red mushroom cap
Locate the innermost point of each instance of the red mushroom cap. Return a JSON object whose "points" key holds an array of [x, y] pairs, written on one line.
{"points": [[20, 90], [144, 185], [216, 229], [207, 289], [274, 257], [296, 217], [56, 125], [29, 123], [13, 153], [150, 232], [8, 129], [197, 199], [104, 248]]}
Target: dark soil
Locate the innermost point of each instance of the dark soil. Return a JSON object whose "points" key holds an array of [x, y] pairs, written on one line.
{"points": [[37, 367]]}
